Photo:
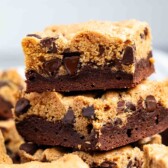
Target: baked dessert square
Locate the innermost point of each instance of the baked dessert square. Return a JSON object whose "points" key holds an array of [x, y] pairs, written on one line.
{"points": [[93, 55], [95, 120]]}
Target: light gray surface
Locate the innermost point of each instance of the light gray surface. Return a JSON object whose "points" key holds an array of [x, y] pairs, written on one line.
{"points": [[19, 17]]}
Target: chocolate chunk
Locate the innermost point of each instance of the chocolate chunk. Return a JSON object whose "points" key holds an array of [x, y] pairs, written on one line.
{"points": [[130, 106], [51, 67], [69, 117], [101, 50], [128, 57], [71, 64], [3, 83], [5, 109], [120, 106], [29, 148], [22, 106], [34, 35], [88, 112], [117, 121], [108, 164], [150, 103], [49, 44], [129, 164]]}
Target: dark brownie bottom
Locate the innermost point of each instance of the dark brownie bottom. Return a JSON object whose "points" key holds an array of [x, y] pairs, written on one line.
{"points": [[90, 79], [139, 125], [5, 109]]}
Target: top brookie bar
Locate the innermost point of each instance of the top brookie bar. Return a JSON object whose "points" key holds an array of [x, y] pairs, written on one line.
{"points": [[88, 56]]}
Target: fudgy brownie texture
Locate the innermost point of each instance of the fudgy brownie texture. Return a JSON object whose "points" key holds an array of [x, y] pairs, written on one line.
{"points": [[88, 56], [93, 121], [118, 158], [156, 156], [67, 161], [10, 84], [12, 139], [4, 158]]}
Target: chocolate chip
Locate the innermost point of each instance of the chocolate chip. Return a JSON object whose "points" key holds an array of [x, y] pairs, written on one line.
{"points": [[128, 57], [88, 112], [130, 106], [34, 35], [150, 103], [120, 106], [29, 148], [69, 117], [101, 50], [49, 44], [108, 164], [89, 128], [22, 106], [117, 121], [71, 64], [51, 67]]}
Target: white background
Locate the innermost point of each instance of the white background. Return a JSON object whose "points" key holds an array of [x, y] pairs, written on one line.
{"points": [[20, 17]]}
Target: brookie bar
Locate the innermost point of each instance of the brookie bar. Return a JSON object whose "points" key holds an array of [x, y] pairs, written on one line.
{"points": [[93, 121], [88, 56]]}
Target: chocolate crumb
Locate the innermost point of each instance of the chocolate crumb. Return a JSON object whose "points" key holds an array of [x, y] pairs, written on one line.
{"points": [[34, 35], [120, 106], [150, 103]]}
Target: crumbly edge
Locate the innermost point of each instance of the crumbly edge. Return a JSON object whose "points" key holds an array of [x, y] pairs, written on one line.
{"points": [[88, 42]]}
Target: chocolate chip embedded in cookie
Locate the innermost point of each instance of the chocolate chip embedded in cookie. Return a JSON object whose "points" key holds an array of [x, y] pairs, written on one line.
{"points": [[90, 123], [94, 55], [22, 106]]}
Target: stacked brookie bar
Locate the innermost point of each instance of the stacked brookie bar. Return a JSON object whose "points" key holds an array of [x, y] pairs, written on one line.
{"points": [[86, 91]]}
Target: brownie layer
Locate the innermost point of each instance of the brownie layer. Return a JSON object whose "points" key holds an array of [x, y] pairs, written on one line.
{"points": [[90, 79], [139, 125], [5, 109]]}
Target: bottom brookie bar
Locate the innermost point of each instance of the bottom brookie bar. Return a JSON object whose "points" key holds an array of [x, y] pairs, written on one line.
{"points": [[94, 121]]}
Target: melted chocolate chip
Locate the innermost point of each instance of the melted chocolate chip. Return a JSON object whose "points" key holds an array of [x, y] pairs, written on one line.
{"points": [[130, 106], [101, 50], [146, 31], [29, 148], [150, 103], [49, 44], [34, 35], [51, 67], [128, 57], [108, 164], [71, 64], [69, 117], [120, 106], [88, 112], [22, 106]]}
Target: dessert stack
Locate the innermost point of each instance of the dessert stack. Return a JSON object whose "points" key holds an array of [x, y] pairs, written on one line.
{"points": [[87, 93]]}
